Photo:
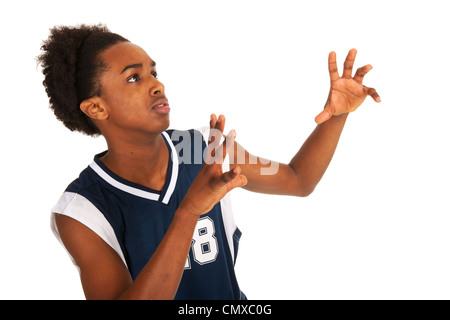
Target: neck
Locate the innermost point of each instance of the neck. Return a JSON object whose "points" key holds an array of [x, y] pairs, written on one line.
{"points": [[143, 163]]}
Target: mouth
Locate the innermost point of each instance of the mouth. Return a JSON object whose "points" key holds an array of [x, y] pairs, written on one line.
{"points": [[161, 106]]}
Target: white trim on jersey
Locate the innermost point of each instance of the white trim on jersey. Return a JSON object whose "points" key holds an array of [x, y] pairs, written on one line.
{"points": [[119, 185], [173, 179], [81, 209], [228, 222], [142, 193]]}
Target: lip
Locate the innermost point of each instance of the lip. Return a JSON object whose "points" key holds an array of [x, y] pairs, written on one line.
{"points": [[161, 106]]}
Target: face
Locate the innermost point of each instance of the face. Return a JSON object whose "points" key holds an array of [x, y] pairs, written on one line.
{"points": [[133, 97]]}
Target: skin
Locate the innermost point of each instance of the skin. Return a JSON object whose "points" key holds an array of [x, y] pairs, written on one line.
{"points": [[136, 152], [305, 170]]}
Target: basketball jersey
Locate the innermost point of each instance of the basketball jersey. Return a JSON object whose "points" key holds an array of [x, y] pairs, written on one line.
{"points": [[133, 219]]}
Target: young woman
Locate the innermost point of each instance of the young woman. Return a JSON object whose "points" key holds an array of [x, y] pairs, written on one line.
{"points": [[150, 218]]}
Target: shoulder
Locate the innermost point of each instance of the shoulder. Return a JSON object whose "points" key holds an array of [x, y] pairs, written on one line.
{"points": [[103, 271], [80, 195], [73, 196], [80, 201]]}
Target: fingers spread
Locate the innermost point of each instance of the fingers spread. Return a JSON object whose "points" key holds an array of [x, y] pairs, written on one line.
{"points": [[348, 64]]}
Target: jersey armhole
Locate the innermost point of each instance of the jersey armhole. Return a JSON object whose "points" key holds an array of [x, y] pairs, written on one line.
{"points": [[81, 209]]}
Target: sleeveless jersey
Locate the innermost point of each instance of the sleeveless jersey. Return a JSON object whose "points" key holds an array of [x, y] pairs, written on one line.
{"points": [[133, 219]]}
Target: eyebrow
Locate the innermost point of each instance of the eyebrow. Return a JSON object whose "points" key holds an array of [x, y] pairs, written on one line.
{"points": [[136, 66]]}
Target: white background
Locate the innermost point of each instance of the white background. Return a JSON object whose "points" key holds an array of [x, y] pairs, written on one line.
{"points": [[376, 227]]}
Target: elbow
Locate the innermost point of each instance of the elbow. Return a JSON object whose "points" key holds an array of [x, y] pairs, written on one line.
{"points": [[302, 186], [305, 192]]}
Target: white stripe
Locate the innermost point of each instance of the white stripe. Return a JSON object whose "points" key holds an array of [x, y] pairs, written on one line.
{"points": [[81, 209], [121, 186], [173, 179], [227, 213], [228, 222]]}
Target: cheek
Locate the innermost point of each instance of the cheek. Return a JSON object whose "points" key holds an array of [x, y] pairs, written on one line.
{"points": [[133, 112], [124, 107]]}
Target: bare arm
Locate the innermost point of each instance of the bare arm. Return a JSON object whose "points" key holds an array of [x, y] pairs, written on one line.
{"points": [[305, 170], [103, 274]]}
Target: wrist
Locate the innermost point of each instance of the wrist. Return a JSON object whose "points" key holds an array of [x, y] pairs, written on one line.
{"points": [[186, 213]]}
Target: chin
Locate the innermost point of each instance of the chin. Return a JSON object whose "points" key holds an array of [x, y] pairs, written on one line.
{"points": [[163, 125], [166, 124]]}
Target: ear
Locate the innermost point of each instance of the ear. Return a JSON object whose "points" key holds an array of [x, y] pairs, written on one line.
{"points": [[94, 109]]}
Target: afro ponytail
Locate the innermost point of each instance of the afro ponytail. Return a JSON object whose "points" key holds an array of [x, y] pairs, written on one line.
{"points": [[72, 67]]}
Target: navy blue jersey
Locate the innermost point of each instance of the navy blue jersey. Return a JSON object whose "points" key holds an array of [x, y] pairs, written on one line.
{"points": [[133, 219]]}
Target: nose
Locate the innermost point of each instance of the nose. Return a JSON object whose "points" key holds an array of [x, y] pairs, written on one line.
{"points": [[157, 88]]}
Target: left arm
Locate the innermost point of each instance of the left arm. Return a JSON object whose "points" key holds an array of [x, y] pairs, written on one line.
{"points": [[307, 167], [301, 175]]}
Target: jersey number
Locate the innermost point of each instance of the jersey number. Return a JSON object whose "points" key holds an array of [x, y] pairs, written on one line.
{"points": [[204, 243]]}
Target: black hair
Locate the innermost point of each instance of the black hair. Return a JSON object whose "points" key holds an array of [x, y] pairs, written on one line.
{"points": [[72, 66]]}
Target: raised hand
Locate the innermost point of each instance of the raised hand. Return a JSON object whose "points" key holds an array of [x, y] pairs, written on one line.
{"points": [[346, 93], [211, 183]]}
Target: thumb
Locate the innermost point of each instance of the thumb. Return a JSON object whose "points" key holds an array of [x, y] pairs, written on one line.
{"points": [[323, 116]]}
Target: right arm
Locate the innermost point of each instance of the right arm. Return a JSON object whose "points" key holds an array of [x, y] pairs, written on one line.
{"points": [[104, 275]]}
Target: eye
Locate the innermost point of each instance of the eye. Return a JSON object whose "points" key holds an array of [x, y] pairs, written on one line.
{"points": [[134, 78], [155, 74]]}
